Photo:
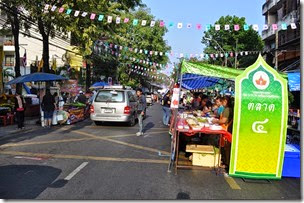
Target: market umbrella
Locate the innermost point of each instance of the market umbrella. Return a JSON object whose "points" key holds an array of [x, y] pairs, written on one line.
{"points": [[98, 85], [36, 77]]}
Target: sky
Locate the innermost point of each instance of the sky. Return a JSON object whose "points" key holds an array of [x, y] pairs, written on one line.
{"points": [[200, 11]]}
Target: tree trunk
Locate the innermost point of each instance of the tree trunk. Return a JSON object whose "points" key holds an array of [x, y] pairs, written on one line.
{"points": [[45, 42], [15, 30], [88, 76], [45, 54]]}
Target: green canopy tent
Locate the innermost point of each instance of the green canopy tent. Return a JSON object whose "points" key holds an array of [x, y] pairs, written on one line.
{"points": [[196, 75]]}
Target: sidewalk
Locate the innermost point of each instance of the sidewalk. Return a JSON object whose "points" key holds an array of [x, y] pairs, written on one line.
{"points": [[29, 124]]}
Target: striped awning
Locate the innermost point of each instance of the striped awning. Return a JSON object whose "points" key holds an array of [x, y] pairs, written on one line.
{"points": [[194, 81]]}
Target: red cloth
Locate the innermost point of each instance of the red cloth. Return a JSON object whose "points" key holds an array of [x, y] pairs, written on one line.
{"points": [[206, 130]]}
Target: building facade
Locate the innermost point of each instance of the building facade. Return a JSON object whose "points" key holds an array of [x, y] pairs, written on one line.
{"points": [[33, 47], [286, 42]]}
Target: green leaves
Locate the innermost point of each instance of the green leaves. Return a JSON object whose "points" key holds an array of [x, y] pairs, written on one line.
{"points": [[232, 41]]}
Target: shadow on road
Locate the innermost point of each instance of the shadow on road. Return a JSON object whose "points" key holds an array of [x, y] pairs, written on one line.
{"points": [[149, 126], [26, 181]]}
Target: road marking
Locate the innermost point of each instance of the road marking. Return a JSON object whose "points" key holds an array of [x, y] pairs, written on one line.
{"points": [[45, 142], [31, 158], [133, 134], [231, 182], [122, 143], [96, 158], [119, 127], [71, 175]]}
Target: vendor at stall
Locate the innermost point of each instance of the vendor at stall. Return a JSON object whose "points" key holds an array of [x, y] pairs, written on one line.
{"points": [[220, 106], [225, 119]]}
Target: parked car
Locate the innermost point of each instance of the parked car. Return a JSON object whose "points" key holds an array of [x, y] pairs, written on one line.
{"points": [[149, 98], [114, 104]]}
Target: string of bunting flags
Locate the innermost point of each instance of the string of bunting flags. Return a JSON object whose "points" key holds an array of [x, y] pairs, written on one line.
{"points": [[179, 25], [108, 45], [137, 71]]}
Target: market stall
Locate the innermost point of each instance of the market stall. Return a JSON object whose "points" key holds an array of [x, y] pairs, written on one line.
{"points": [[196, 76], [37, 77], [191, 123]]}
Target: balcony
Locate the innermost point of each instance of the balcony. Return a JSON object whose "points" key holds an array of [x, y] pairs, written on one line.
{"points": [[9, 64], [291, 17], [288, 19], [8, 46], [270, 5]]}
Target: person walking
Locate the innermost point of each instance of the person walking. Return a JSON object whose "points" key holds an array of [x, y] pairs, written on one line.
{"points": [[166, 102], [141, 109], [48, 106], [19, 109]]}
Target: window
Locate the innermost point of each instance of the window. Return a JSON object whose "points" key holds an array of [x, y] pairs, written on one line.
{"points": [[284, 9], [110, 96], [9, 40], [283, 39], [131, 97], [9, 60]]}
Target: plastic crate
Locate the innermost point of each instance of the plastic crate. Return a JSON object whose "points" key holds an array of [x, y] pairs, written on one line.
{"points": [[292, 161]]}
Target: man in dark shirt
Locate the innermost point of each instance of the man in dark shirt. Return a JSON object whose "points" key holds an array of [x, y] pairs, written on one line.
{"points": [[141, 101], [48, 106], [166, 109], [82, 98]]}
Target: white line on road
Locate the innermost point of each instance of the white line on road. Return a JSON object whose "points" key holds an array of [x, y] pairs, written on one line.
{"points": [[71, 175], [25, 157]]}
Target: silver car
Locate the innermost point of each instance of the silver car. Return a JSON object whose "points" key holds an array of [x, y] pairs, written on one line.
{"points": [[114, 104]]}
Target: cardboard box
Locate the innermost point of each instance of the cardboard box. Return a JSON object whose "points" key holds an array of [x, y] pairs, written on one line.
{"points": [[204, 155]]}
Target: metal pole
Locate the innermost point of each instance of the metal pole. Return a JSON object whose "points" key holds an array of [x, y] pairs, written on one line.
{"points": [[235, 57], [276, 50], [174, 135]]}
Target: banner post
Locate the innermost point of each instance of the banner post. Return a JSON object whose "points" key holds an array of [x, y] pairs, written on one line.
{"points": [[260, 123]]}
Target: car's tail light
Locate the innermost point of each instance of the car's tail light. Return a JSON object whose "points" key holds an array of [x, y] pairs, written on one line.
{"points": [[127, 110], [91, 109]]}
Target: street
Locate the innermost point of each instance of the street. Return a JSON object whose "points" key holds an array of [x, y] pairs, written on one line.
{"points": [[85, 161]]}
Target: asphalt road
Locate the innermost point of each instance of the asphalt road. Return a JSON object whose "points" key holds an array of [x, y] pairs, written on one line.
{"points": [[84, 161]]}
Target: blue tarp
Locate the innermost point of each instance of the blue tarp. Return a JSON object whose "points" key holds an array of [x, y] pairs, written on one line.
{"points": [[194, 81], [36, 77], [294, 81]]}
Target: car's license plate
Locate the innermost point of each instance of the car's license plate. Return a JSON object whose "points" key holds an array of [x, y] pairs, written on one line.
{"points": [[108, 111]]}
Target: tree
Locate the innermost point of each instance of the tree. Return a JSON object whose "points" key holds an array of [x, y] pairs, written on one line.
{"points": [[49, 25], [232, 41], [140, 37], [85, 32], [15, 23]]}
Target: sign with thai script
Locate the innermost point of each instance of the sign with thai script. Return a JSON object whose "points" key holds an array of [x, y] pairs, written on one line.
{"points": [[260, 123]]}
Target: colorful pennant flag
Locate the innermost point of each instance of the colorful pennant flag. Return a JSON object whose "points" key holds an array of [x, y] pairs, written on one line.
{"points": [[110, 18], [180, 25], [61, 10], [117, 20], [92, 17]]}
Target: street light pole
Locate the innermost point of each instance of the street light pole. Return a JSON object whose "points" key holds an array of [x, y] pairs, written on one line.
{"points": [[236, 54], [219, 47]]}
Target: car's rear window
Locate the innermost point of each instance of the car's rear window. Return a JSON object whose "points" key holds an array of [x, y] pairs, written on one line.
{"points": [[107, 96]]}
